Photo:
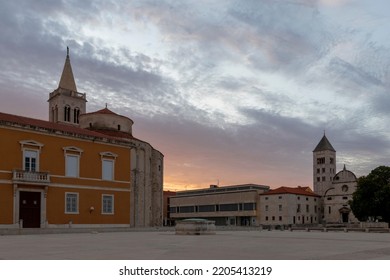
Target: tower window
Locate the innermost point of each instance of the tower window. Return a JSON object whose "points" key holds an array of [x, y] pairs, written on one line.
{"points": [[323, 170], [76, 114], [55, 114], [321, 160], [67, 113], [331, 160]]}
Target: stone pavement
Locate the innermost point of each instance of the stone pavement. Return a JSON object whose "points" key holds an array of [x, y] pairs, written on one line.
{"points": [[229, 245]]}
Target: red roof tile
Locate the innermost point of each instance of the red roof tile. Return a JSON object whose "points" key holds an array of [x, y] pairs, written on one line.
{"points": [[51, 126], [289, 190], [107, 111]]}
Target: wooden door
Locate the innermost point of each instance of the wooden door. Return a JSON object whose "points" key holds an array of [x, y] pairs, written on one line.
{"points": [[30, 209]]}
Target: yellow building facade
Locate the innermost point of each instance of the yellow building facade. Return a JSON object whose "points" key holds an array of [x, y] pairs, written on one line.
{"points": [[59, 173], [49, 177]]}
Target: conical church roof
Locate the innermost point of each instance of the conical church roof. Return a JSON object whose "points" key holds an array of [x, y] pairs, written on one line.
{"points": [[67, 79], [324, 145]]}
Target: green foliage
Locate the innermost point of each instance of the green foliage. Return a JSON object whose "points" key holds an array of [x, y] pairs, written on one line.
{"points": [[372, 196]]}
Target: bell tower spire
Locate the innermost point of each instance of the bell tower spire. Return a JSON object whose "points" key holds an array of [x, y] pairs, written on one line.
{"points": [[66, 104], [67, 79]]}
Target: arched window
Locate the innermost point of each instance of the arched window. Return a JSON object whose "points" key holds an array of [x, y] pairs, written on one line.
{"points": [[67, 113], [56, 114], [76, 114]]}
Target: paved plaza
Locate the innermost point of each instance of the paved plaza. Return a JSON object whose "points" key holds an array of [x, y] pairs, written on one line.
{"points": [[229, 245]]}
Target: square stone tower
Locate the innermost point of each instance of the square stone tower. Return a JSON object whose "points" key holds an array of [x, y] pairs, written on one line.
{"points": [[324, 166]]}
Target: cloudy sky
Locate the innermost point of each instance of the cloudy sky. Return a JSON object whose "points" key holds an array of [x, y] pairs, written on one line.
{"points": [[229, 91]]}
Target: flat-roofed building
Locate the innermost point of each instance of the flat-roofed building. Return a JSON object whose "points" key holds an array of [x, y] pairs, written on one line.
{"points": [[226, 205]]}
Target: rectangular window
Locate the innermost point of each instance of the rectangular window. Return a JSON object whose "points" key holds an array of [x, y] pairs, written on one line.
{"points": [[186, 209], [280, 218], [72, 166], [107, 169], [249, 206], [280, 207], [298, 208], [206, 208], [30, 160], [266, 208], [71, 203], [107, 204], [228, 207]]}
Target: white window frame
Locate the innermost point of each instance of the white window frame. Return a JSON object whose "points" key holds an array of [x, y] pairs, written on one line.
{"points": [[110, 176], [66, 203], [75, 152], [30, 146], [108, 157], [104, 212], [77, 167], [25, 151]]}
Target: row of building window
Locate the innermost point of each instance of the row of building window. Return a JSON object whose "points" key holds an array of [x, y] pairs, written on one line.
{"points": [[330, 198], [298, 208], [72, 203], [214, 208], [323, 179], [323, 170], [67, 114], [298, 198], [72, 162], [299, 218], [321, 160]]}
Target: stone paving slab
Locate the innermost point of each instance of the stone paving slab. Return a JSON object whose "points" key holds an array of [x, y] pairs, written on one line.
{"points": [[229, 245]]}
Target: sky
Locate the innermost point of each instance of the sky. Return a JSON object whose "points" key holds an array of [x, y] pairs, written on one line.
{"points": [[231, 92]]}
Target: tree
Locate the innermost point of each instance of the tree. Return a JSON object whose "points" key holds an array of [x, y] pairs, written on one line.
{"points": [[372, 196]]}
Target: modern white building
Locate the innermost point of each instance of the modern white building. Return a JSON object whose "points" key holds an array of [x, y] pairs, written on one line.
{"points": [[226, 205]]}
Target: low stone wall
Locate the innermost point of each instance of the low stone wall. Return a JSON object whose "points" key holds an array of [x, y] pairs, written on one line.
{"points": [[373, 225], [195, 227]]}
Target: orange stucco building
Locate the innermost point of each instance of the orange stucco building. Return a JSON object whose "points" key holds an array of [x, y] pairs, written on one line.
{"points": [[78, 169]]}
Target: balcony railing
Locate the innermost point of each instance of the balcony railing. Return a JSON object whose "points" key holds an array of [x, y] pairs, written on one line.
{"points": [[31, 177]]}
